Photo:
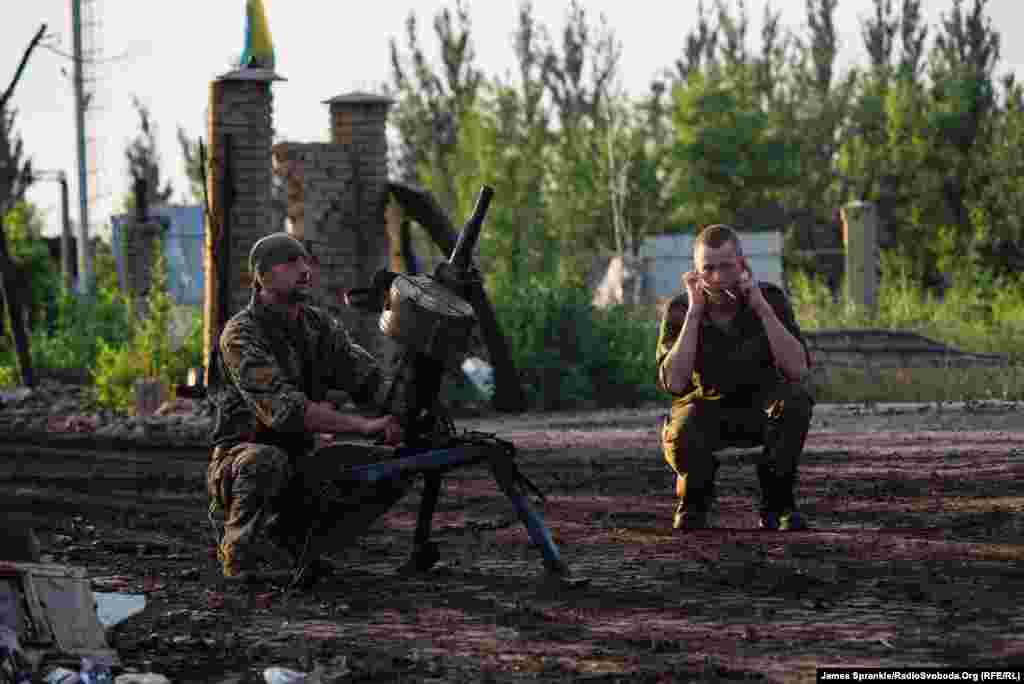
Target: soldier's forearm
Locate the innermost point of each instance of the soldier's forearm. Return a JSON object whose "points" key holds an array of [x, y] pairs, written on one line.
{"points": [[679, 362], [786, 349], [320, 417]]}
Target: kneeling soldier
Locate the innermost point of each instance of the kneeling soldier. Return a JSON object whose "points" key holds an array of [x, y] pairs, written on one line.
{"points": [[277, 359], [731, 354]]}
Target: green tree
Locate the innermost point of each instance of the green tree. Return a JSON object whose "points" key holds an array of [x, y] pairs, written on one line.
{"points": [[884, 154], [580, 76], [817, 114], [999, 211], [511, 150], [730, 155], [699, 47], [193, 165], [40, 276], [104, 265], [432, 104], [143, 157], [961, 120]]}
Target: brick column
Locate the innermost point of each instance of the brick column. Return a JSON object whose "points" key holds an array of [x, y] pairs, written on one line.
{"points": [[239, 185], [359, 123], [358, 126]]}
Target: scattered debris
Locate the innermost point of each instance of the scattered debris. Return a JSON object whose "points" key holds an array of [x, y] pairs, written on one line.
{"points": [[72, 424], [141, 678], [114, 608], [54, 604]]}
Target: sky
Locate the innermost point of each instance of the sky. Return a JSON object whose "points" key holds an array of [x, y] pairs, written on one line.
{"points": [[167, 53]]}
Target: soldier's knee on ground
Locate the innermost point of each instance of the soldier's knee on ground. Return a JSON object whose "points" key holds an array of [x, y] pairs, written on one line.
{"points": [[258, 468], [688, 449]]}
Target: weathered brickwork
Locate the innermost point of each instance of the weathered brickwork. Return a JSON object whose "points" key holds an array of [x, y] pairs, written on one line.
{"points": [[240, 136], [337, 193]]}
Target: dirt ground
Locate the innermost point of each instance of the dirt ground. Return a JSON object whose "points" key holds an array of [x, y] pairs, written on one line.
{"points": [[915, 558]]}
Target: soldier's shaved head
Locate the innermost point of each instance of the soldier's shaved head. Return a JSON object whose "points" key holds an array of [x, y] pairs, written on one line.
{"points": [[716, 236]]}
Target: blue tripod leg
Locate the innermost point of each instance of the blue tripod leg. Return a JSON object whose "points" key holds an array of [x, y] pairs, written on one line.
{"points": [[537, 532]]}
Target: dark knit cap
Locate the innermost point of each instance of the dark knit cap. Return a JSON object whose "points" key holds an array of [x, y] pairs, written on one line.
{"points": [[271, 250]]}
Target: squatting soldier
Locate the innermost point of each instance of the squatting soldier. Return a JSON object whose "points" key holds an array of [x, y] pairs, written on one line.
{"points": [[731, 354], [278, 357]]}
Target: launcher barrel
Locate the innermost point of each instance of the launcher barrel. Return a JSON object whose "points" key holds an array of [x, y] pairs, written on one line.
{"points": [[471, 231]]}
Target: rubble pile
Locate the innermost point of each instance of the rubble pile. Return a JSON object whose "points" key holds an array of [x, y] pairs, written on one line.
{"points": [[58, 412]]}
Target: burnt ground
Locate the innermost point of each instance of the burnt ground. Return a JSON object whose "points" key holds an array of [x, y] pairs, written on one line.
{"points": [[915, 559]]}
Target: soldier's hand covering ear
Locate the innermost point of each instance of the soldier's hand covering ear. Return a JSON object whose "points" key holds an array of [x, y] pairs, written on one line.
{"points": [[694, 286]]}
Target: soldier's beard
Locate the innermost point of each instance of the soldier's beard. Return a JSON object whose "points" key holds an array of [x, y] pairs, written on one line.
{"points": [[300, 295]]}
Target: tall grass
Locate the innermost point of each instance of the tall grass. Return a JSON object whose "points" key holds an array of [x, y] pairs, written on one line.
{"points": [[979, 313]]}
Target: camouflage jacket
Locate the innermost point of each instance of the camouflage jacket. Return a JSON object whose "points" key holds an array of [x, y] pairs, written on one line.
{"points": [[270, 366], [729, 366]]}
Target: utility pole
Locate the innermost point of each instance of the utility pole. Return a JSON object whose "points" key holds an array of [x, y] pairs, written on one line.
{"points": [[84, 258]]}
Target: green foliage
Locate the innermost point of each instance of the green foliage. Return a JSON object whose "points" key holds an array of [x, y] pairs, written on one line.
{"points": [[163, 344], [23, 225], [82, 326], [104, 266], [981, 312], [570, 354], [730, 155]]}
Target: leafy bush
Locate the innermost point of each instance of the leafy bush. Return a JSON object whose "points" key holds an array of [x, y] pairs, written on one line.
{"points": [[81, 325], [981, 312], [568, 353], [163, 344]]}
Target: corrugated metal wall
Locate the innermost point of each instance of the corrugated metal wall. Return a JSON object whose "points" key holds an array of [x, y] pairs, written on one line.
{"points": [[183, 250]]}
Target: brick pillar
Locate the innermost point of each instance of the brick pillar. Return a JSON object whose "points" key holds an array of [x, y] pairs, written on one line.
{"points": [[358, 122], [358, 125], [240, 136]]}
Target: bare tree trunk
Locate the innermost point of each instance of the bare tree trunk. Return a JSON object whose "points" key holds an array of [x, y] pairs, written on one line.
{"points": [[13, 184], [14, 312]]}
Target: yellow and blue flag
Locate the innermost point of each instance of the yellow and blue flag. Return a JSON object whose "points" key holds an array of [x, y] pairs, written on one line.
{"points": [[259, 49]]}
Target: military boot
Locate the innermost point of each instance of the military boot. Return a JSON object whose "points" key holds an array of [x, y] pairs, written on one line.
{"points": [[770, 508], [695, 508], [685, 519], [242, 568], [693, 512], [778, 504]]}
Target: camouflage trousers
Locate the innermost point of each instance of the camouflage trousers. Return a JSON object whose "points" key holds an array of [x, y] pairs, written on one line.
{"points": [[777, 419], [301, 505]]}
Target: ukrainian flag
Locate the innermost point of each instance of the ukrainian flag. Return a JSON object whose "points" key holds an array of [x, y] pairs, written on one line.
{"points": [[259, 49]]}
